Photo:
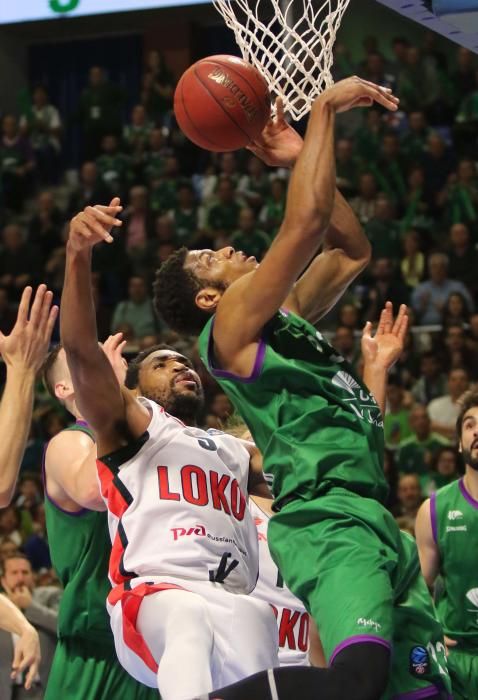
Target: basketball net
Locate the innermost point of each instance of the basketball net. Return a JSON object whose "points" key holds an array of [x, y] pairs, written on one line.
{"points": [[290, 42]]}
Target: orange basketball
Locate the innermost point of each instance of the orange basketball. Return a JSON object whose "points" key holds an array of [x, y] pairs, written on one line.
{"points": [[222, 103]]}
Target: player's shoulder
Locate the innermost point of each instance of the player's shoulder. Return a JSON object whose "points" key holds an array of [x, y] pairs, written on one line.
{"points": [[69, 443]]}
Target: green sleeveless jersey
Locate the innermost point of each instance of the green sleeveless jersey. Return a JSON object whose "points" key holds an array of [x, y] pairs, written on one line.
{"points": [[454, 521], [80, 547], [314, 421]]}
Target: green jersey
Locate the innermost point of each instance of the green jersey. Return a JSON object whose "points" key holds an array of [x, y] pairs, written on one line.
{"points": [[454, 520], [314, 421], [80, 547]]}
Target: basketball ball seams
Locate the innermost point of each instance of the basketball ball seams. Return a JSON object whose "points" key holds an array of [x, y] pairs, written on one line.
{"points": [[213, 96], [192, 126]]}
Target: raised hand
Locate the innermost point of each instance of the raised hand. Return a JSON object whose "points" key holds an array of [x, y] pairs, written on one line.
{"points": [[113, 348], [356, 92], [385, 347], [279, 144], [94, 224], [27, 345]]}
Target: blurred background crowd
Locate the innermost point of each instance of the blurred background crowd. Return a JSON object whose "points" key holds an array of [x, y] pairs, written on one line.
{"points": [[411, 177]]}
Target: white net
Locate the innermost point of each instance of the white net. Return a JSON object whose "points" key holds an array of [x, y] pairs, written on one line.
{"points": [[290, 42]]}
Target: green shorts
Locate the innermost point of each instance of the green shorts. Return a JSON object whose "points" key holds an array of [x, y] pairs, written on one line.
{"points": [[463, 668], [81, 670], [359, 577]]}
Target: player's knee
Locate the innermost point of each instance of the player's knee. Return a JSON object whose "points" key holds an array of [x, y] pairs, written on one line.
{"points": [[365, 668]]}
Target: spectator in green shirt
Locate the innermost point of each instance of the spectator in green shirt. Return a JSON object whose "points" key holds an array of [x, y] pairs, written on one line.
{"points": [[369, 137], [414, 139], [136, 312], [445, 468], [136, 134], [164, 189], [416, 452], [114, 167], [383, 230], [99, 111], [185, 214], [249, 238], [272, 213], [223, 217], [255, 187], [396, 424], [347, 167]]}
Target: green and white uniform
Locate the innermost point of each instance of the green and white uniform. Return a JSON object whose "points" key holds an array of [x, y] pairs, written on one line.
{"points": [[337, 547], [454, 520], [85, 666]]}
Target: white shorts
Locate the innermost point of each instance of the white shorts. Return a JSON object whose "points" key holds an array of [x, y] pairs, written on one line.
{"points": [[244, 631]]}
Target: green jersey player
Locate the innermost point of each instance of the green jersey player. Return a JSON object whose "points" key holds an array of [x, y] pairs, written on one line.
{"points": [[447, 533], [316, 423]]}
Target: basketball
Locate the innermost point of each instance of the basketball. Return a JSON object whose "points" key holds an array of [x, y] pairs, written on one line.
{"points": [[222, 103]]}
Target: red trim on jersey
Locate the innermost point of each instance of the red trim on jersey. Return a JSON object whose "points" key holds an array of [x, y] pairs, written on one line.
{"points": [[117, 551], [116, 503], [130, 604]]}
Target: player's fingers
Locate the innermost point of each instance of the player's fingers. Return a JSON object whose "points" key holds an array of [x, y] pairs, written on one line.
{"points": [[50, 324], [32, 672], [386, 100], [280, 114], [22, 314], [398, 321], [367, 330], [17, 659], [43, 313], [98, 229], [382, 322], [105, 217], [38, 301]]}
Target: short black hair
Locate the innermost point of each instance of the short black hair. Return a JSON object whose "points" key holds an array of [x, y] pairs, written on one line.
{"points": [[132, 373], [469, 400], [175, 290], [48, 365]]}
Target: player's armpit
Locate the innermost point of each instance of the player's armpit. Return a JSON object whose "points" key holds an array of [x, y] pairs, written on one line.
{"points": [[70, 472], [427, 547]]}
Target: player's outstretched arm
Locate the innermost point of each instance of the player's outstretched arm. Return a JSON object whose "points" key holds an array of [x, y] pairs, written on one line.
{"points": [[381, 351], [427, 547], [23, 352], [113, 414], [251, 301], [27, 647]]}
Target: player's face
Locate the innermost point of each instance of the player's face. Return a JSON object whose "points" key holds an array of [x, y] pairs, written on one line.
{"points": [[469, 438], [168, 378], [221, 267]]}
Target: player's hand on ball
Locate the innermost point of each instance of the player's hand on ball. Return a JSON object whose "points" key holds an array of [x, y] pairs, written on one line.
{"points": [[384, 348], [356, 92], [279, 144], [94, 224]]}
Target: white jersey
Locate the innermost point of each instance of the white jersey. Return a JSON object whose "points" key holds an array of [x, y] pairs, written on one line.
{"points": [[177, 507], [292, 617]]}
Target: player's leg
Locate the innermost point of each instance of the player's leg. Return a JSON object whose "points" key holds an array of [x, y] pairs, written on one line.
{"points": [[336, 555], [463, 668], [419, 664], [348, 678], [245, 635], [177, 629]]}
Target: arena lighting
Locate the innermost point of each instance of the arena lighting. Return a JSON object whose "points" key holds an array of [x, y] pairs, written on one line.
{"points": [[13, 11], [457, 20]]}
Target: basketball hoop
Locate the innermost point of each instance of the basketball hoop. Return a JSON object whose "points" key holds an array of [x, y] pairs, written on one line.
{"points": [[290, 42]]}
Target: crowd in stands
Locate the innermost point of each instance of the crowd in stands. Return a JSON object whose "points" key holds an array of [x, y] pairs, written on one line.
{"points": [[410, 176]]}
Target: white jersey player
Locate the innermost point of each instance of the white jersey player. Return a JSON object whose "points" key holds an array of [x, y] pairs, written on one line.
{"points": [[185, 630]]}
